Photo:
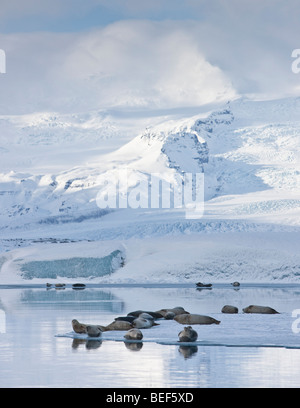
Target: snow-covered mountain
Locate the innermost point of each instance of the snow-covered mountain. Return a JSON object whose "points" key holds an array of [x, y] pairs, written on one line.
{"points": [[245, 148], [53, 167]]}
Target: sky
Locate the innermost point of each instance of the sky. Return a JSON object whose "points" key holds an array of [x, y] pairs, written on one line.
{"points": [[70, 55]]}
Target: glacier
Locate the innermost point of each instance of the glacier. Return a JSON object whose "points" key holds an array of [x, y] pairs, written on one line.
{"points": [[53, 167], [73, 267]]}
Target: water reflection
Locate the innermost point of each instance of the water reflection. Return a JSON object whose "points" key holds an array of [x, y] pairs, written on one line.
{"points": [[93, 344], [104, 301], [134, 346], [188, 351], [31, 355], [89, 344]]}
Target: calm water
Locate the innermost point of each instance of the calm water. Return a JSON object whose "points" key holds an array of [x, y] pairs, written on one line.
{"points": [[31, 354]]}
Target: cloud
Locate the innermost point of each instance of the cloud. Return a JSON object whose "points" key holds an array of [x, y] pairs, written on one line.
{"points": [[219, 52], [153, 65]]}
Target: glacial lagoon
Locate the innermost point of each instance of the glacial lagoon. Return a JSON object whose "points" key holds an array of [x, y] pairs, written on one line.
{"points": [[39, 349]]}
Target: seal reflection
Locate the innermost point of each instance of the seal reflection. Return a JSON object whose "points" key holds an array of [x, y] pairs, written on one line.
{"points": [[89, 344], [188, 351], [134, 346]]}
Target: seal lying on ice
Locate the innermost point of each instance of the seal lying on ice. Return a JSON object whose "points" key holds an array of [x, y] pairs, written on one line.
{"points": [[79, 328], [195, 319], [229, 309], [176, 310], [118, 325], [203, 285], [137, 313], [134, 334], [93, 331], [141, 323], [129, 319], [260, 310], [188, 334]]}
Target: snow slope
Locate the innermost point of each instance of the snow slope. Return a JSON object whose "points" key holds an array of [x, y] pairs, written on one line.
{"points": [[249, 154]]}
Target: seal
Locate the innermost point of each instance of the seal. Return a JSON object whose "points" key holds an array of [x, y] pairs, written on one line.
{"points": [[236, 284], [203, 285], [129, 319], [79, 328], [118, 325], [169, 315], [259, 310], [78, 286], [188, 334], [93, 331], [230, 309], [141, 323], [134, 334], [195, 319], [60, 286], [147, 316], [136, 313], [176, 310]]}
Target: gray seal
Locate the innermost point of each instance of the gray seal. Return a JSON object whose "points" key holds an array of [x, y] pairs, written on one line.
{"points": [[188, 334], [195, 319], [259, 310]]}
